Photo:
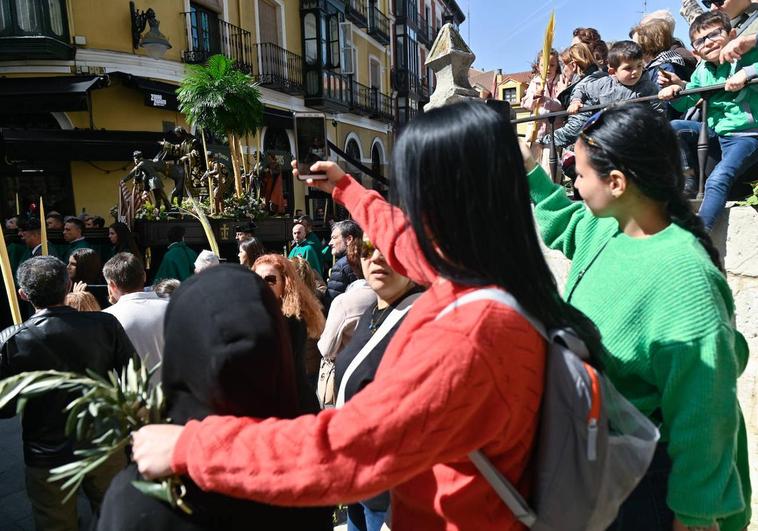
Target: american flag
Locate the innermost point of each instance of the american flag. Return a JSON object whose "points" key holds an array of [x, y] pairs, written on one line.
{"points": [[129, 201]]}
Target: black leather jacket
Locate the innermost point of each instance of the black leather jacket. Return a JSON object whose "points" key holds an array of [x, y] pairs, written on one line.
{"points": [[61, 339]]}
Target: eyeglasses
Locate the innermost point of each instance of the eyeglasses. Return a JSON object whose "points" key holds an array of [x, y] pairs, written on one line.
{"points": [[712, 36], [708, 3], [589, 125], [271, 280], [367, 249]]}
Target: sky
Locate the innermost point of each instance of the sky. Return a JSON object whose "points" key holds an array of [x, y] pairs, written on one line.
{"points": [[508, 34]]}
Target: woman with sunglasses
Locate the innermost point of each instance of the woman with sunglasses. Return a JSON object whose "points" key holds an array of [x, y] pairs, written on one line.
{"points": [[646, 272], [446, 385], [301, 310], [356, 365]]}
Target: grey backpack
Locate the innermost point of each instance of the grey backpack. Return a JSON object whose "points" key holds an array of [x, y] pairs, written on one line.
{"points": [[593, 446]]}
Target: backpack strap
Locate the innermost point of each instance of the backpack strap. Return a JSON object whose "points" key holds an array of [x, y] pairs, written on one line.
{"points": [[504, 489]]}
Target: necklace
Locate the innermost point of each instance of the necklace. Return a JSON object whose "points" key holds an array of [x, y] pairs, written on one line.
{"points": [[377, 318]]}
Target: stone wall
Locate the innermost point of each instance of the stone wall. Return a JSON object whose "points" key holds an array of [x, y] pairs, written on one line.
{"points": [[736, 236]]}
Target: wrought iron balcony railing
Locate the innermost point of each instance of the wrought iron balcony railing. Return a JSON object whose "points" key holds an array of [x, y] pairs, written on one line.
{"points": [[219, 37], [357, 12], [277, 68], [378, 25]]}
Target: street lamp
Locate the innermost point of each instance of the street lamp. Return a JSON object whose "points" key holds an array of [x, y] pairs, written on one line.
{"points": [[154, 42]]}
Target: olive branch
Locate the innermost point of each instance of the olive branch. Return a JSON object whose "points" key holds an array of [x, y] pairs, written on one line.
{"points": [[102, 418]]}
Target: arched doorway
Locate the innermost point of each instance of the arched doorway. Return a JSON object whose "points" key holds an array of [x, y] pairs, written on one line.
{"points": [[353, 150], [376, 166]]}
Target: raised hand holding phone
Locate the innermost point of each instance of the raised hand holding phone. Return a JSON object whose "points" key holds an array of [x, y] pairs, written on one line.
{"points": [[329, 175], [311, 144]]}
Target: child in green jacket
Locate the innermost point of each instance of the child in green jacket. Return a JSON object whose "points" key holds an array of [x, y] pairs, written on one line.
{"points": [[732, 112]]}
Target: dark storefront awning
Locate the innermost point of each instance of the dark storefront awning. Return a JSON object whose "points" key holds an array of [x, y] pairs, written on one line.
{"points": [[77, 144], [157, 93], [278, 118], [47, 94]]}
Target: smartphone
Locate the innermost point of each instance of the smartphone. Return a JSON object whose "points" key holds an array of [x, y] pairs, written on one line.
{"points": [[310, 137]]}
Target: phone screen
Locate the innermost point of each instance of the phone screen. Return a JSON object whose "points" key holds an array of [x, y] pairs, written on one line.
{"points": [[311, 144]]}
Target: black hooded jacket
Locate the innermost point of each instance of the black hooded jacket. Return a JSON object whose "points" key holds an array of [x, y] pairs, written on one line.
{"points": [[227, 353]]}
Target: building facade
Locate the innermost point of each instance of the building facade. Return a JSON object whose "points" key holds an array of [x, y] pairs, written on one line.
{"points": [[81, 87]]}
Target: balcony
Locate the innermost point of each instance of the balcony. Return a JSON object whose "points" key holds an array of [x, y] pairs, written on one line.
{"points": [[407, 83], [378, 25], [327, 91], [423, 31], [357, 12], [382, 107], [220, 38], [405, 13], [276, 68], [40, 32], [368, 101]]}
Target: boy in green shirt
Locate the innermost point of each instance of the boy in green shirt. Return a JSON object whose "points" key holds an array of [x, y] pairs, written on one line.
{"points": [[732, 113]]}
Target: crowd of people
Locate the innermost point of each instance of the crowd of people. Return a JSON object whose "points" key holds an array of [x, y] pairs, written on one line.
{"points": [[364, 370], [654, 63]]}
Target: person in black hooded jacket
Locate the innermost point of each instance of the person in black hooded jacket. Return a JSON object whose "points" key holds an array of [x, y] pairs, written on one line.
{"points": [[227, 353]]}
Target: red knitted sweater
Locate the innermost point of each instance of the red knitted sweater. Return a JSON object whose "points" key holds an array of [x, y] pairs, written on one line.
{"points": [[471, 380]]}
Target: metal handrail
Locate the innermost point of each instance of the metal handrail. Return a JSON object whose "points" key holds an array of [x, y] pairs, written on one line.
{"points": [[702, 143], [641, 99]]}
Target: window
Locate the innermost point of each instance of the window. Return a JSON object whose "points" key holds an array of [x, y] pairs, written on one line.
{"points": [[269, 22], [510, 95], [375, 74], [311, 39], [335, 42], [34, 17], [205, 30]]}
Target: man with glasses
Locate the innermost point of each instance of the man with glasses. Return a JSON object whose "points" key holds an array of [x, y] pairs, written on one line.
{"points": [[732, 113]]}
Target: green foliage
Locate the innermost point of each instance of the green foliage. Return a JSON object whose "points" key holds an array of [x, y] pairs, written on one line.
{"points": [[102, 417], [247, 206], [753, 199], [220, 99], [150, 212]]}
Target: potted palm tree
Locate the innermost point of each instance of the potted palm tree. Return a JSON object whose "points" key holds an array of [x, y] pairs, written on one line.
{"points": [[221, 99]]}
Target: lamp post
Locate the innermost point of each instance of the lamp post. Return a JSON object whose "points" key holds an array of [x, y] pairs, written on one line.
{"points": [[154, 42]]}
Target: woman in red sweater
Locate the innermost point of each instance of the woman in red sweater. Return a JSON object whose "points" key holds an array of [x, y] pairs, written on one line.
{"points": [[472, 379]]}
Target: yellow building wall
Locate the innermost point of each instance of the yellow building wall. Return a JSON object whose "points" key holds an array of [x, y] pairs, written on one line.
{"points": [[95, 190], [107, 24]]}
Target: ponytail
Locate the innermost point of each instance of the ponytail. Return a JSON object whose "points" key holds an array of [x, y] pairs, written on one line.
{"points": [[681, 213]]}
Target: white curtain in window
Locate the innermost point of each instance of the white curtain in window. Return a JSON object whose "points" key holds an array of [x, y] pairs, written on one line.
{"points": [[56, 17], [27, 16]]}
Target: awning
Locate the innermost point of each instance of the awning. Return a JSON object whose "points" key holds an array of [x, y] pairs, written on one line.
{"points": [[77, 144], [278, 118], [47, 94], [157, 93]]}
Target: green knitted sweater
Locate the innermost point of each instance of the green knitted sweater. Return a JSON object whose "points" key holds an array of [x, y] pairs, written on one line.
{"points": [[666, 316]]}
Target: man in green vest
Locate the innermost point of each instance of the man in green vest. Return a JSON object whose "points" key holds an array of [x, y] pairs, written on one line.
{"points": [[179, 260]]}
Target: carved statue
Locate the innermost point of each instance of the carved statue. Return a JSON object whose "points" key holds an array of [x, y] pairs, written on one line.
{"points": [[150, 174], [187, 159], [218, 178]]}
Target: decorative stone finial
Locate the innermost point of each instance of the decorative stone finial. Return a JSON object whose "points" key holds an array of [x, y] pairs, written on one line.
{"points": [[450, 59]]}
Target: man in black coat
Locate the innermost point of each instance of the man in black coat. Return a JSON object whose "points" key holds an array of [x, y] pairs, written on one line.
{"points": [[344, 234], [58, 337]]}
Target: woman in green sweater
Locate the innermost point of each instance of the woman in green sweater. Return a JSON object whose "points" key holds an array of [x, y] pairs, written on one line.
{"points": [[646, 272]]}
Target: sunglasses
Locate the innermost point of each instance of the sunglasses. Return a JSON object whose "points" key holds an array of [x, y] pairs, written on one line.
{"points": [[589, 125], [708, 3], [712, 36], [367, 249], [271, 280]]}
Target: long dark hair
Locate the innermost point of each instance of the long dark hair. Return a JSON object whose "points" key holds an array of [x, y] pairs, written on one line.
{"points": [[636, 140], [88, 266], [461, 180], [125, 242]]}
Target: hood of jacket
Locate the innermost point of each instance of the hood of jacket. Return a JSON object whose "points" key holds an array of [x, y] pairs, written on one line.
{"points": [[227, 352]]}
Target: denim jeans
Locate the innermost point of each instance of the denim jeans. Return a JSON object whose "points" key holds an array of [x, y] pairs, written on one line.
{"points": [[361, 518], [645, 509], [736, 154]]}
